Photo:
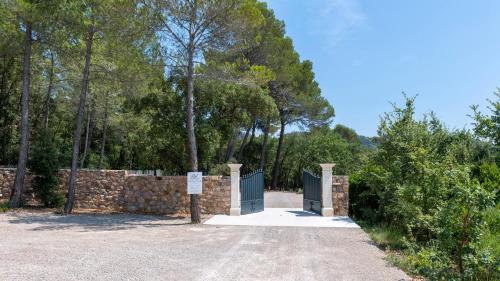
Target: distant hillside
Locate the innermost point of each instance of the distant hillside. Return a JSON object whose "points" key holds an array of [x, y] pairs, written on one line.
{"points": [[368, 142]]}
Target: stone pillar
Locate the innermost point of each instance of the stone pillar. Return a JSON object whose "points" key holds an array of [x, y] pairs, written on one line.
{"points": [[326, 190], [235, 190]]}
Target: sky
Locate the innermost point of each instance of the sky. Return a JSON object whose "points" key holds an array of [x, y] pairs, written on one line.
{"points": [[366, 53]]}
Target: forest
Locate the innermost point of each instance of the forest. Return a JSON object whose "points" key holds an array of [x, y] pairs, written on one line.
{"points": [[182, 86]]}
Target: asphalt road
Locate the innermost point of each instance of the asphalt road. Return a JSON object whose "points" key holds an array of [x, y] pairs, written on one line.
{"points": [[133, 247]]}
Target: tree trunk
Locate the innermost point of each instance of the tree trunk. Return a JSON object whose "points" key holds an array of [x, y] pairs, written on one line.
{"points": [[88, 134], [78, 129], [253, 133], [230, 146], [264, 145], [104, 131], [276, 168], [193, 154], [243, 144], [49, 92], [18, 189]]}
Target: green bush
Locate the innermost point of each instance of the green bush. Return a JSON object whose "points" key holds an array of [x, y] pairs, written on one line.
{"points": [[489, 177], [488, 248], [435, 196], [462, 227], [363, 195], [4, 206], [432, 263], [220, 170], [44, 164]]}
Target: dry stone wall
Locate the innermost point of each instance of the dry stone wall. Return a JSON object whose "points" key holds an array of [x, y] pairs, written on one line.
{"points": [[7, 177], [115, 190], [168, 195], [340, 194]]}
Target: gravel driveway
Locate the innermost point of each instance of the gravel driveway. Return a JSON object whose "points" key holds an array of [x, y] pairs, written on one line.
{"points": [[41, 246], [279, 199]]}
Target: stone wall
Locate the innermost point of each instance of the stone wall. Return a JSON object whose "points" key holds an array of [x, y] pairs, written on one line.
{"points": [[340, 194], [7, 177], [168, 195], [115, 190], [97, 189]]}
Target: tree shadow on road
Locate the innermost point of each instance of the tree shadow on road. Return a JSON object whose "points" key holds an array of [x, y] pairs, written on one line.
{"points": [[95, 222]]}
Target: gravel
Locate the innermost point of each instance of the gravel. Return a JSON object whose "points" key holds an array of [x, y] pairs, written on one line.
{"points": [[44, 246], [278, 199]]}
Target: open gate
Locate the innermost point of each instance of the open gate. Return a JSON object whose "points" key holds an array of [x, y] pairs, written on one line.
{"points": [[312, 192], [252, 192]]}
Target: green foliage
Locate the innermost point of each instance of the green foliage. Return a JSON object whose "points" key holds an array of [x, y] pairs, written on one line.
{"points": [[4, 207], [44, 165], [365, 191], [305, 150], [386, 237], [221, 169], [489, 177], [431, 263], [488, 127], [347, 133], [462, 226], [436, 188]]}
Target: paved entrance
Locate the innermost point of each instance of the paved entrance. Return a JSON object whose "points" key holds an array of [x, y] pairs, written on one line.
{"points": [[283, 209], [283, 217]]}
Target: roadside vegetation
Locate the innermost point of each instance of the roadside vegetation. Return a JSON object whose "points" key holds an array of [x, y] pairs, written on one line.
{"points": [[429, 195]]}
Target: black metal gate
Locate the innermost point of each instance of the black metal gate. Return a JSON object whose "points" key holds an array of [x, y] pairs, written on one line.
{"points": [[252, 192], [312, 192]]}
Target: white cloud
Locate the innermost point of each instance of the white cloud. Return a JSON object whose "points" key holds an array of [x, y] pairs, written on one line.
{"points": [[333, 19]]}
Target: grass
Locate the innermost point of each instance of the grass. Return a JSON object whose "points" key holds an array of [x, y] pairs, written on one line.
{"points": [[385, 237], [393, 243]]}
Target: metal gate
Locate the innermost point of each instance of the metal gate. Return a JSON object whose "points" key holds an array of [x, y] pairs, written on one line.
{"points": [[252, 192], [312, 192]]}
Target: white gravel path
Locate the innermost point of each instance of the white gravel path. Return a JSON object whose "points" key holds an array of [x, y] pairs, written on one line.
{"points": [[279, 199], [43, 246]]}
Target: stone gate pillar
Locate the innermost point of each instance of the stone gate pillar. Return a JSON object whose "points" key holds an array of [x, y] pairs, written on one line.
{"points": [[326, 190], [235, 190]]}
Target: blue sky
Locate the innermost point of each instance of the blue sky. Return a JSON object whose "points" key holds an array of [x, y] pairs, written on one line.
{"points": [[365, 53]]}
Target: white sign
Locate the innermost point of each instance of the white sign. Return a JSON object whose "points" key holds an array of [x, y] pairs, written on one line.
{"points": [[195, 182]]}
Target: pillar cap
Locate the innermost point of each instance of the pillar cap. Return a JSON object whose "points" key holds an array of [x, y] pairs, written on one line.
{"points": [[235, 167], [327, 166]]}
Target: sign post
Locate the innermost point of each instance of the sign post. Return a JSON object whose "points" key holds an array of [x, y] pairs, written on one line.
{"points": [[194, 182]]}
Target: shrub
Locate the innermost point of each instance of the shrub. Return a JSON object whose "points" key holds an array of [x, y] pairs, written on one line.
{"points": [[4, 206], [462, 228], [433, 264], [220, 170], [44, 164], [489, 176]]}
